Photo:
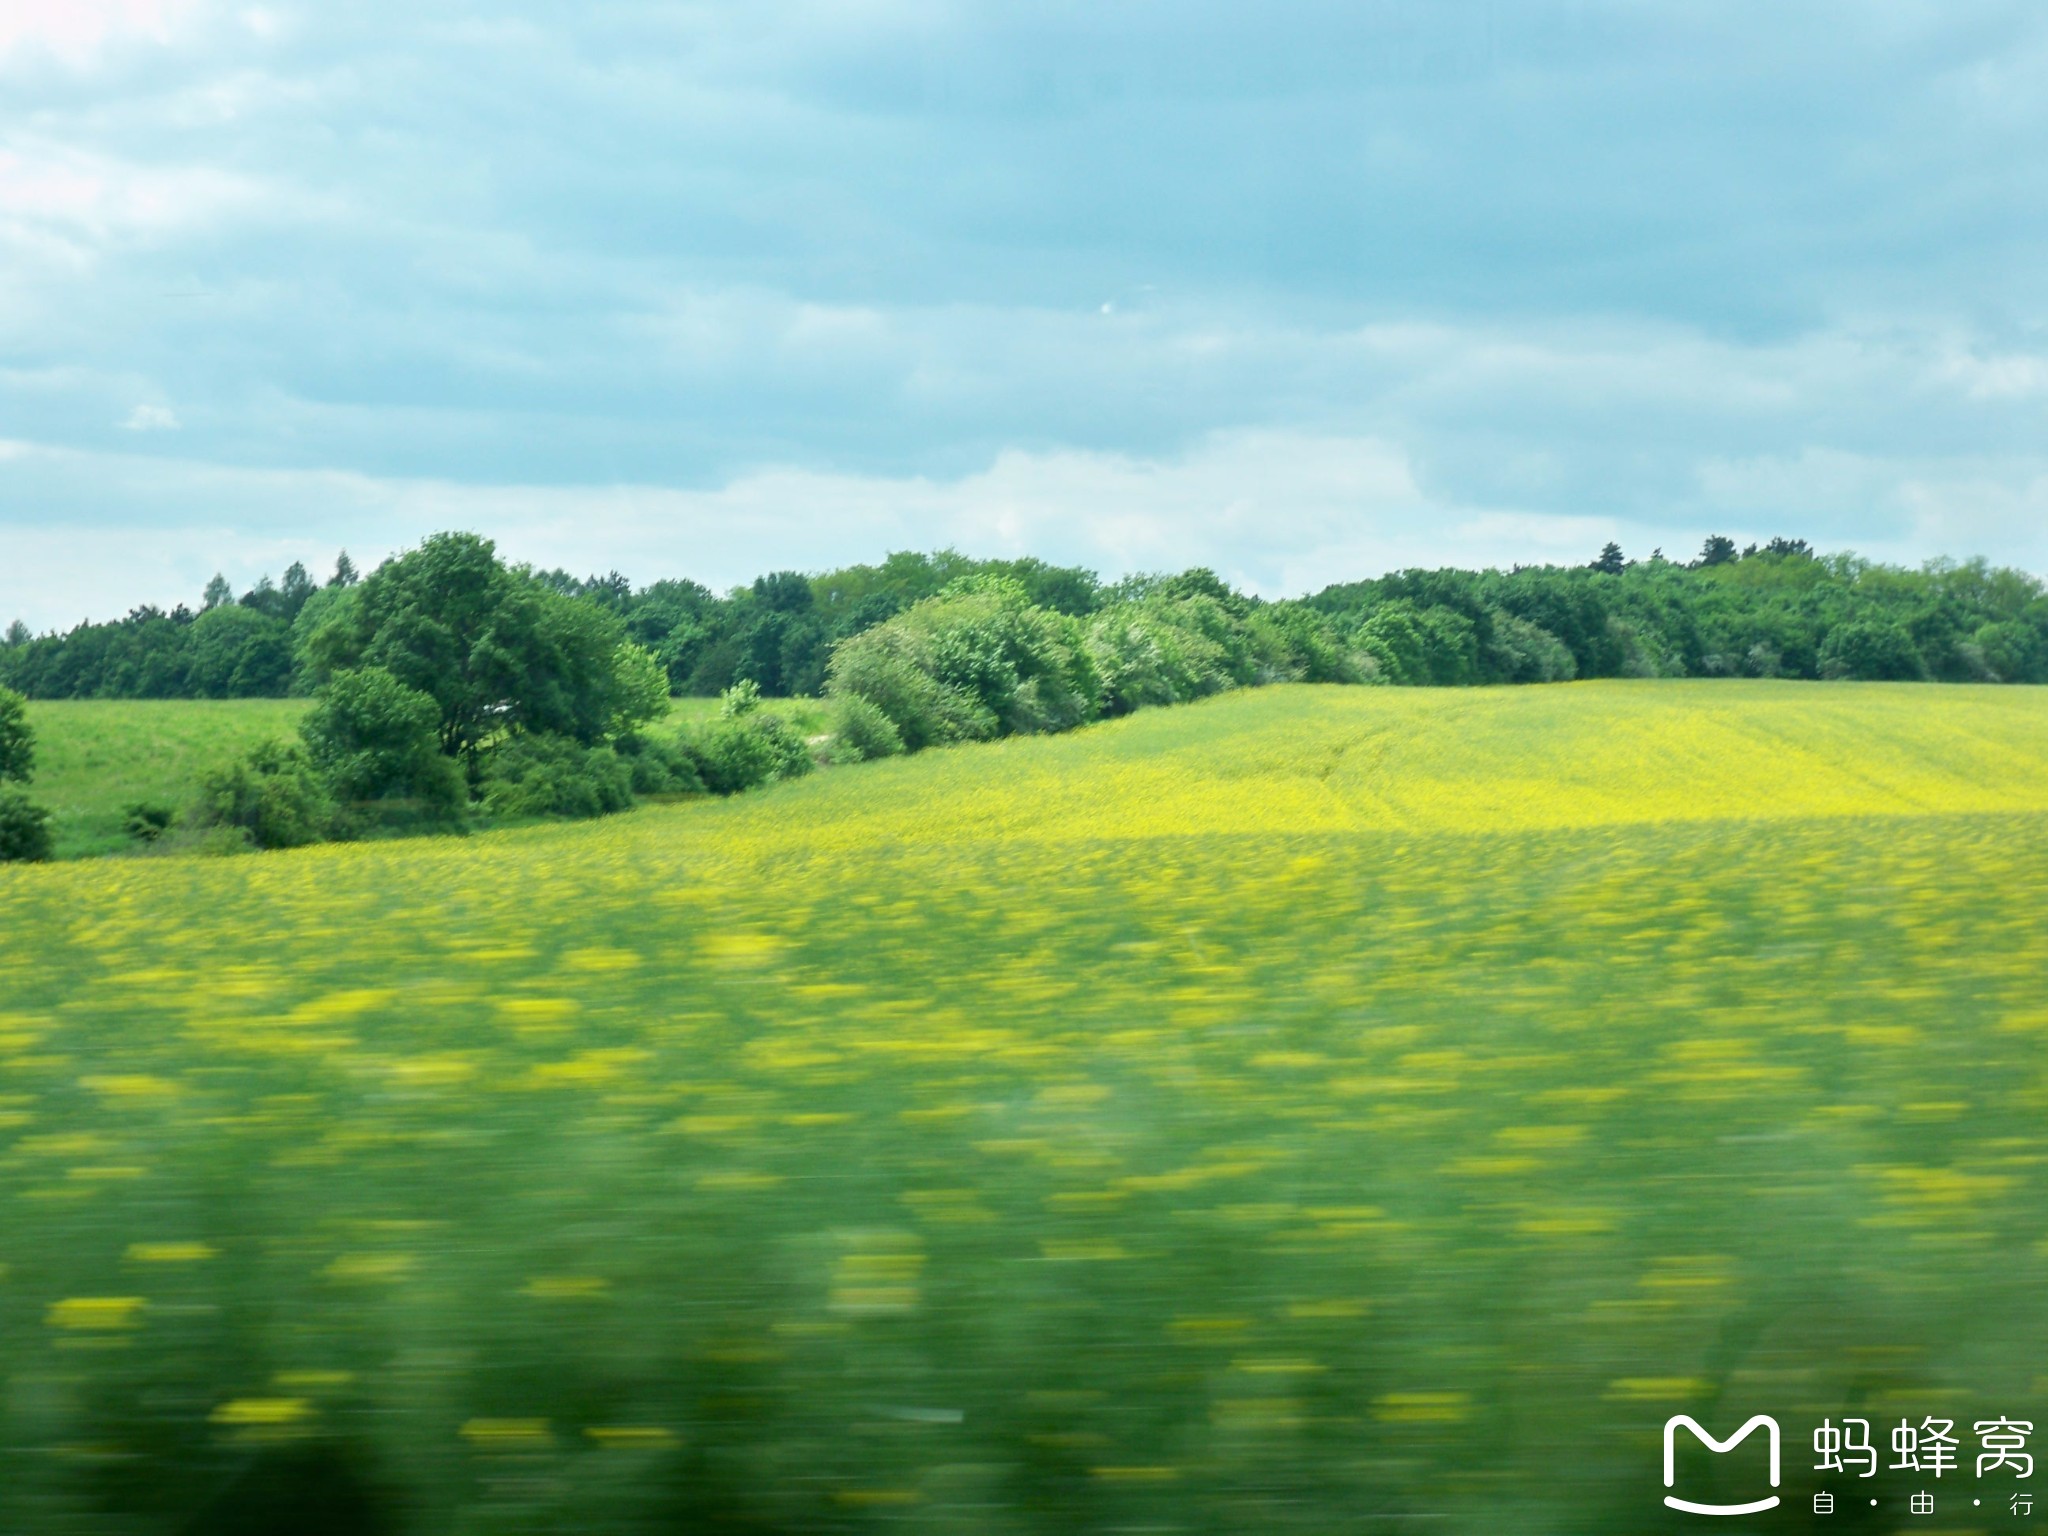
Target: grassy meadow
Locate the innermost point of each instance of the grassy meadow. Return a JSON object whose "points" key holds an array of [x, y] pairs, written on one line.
{"points": [[96, 757], [1314, 1110]]}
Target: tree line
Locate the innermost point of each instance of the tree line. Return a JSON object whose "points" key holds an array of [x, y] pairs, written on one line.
{"points": [[1777, 610], [449, 686]]}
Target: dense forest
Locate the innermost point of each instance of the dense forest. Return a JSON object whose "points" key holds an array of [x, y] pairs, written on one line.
{"points": [[1779, 610]]}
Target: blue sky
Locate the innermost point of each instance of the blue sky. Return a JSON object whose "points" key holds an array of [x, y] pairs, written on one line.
{"points": [[1303, 291]]}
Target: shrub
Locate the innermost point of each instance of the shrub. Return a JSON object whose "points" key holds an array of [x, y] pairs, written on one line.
{"points": [[17, 738], [377, 740], [865, 732], [739, 753], [275, 796], [1129, 660], [891, 666], [658, 766], [976, 661], [1163, 651], [544, 775], [732, 756], [146, 821], [1025, 667], [25, 835]]}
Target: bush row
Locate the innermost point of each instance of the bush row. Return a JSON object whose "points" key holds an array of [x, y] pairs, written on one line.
{"points": [[980, 660], [340, 781]]}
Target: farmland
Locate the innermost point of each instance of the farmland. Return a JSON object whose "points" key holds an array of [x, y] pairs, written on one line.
{"points": [[1309, 1110]]}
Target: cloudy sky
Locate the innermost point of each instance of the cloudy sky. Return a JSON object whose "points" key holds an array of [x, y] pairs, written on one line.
{"points": [[1303, 290]]}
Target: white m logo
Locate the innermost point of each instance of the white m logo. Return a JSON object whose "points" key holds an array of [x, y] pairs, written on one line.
{"points": [[1671, 1469]]}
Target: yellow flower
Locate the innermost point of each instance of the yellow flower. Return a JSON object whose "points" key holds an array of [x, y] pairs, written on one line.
{"points": [[96, 1314]]}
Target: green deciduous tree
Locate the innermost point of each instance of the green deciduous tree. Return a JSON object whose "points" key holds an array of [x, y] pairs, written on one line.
{"points": [[892, 666], [977, 660], [238, 652], [2013, 652], [1521, 652], [24, 825], [498, 652], [377, 740], [639, 689], [1871, 651], [17, 738]]}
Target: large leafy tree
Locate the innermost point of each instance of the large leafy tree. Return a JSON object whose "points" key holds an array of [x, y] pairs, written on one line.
{"points": [[496, 650]]}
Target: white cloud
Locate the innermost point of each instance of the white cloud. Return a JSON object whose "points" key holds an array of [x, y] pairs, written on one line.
{"points": [[1278, 512], [1994, 375], [1902, 507], [68, 194], [1133, 286], [78, 32], [151, 418]]}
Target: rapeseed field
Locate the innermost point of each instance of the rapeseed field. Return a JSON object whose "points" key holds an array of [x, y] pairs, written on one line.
{"points": [[1315, 1110]]}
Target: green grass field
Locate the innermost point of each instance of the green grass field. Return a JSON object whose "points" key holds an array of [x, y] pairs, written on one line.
{"points": [[1314, 1110], [97, 757]]}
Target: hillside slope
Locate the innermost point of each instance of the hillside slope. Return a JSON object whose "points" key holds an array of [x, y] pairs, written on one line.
{"points": [[1308, 759]]}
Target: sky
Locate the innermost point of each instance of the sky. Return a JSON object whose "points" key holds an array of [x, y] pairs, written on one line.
{"points": [[1302, 291]]}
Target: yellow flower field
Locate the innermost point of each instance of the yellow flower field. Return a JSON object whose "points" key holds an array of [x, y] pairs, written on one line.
{"points": [[1314, 1110]]}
